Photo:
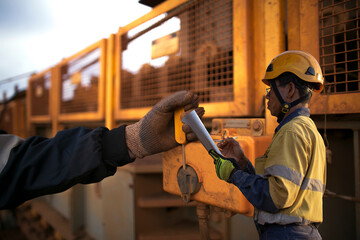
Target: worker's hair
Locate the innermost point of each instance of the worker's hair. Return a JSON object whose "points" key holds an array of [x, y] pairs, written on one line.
{"points": [[305, 88]]}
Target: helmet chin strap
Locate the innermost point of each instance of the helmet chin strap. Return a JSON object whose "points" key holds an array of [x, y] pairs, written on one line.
{"points": [[285, 107]]}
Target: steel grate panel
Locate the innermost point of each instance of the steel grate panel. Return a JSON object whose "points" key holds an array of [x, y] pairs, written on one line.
{"points": [[79, 83], [339, 45], [40, 95], [203, 62]]}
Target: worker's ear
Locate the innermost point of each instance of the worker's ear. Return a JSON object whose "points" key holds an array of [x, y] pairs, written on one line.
{"points": [[291, 89]]}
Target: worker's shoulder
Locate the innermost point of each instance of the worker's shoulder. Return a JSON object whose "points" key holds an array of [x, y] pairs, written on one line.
{"points": [[9, 138], [7, 143], [301, 125]]}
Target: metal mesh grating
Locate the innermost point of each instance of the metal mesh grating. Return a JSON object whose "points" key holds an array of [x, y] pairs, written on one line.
{"points": [[40, 95], [339, 45], [203, 62], [79, 83]]}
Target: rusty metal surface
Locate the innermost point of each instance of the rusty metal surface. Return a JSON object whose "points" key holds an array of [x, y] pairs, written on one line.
{"points": [[339, 45], [202, 64]]}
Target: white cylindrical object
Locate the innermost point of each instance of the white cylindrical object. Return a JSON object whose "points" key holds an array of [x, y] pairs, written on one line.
{"points": [[195, 123]]}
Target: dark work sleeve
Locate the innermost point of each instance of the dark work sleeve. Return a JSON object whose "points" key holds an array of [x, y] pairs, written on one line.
{"points": [[255, 188], [40, 166], [249, 168]]}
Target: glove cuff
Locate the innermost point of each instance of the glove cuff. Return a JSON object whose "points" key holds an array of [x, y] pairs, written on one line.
{"points": [[226, 170], [133, 140]]}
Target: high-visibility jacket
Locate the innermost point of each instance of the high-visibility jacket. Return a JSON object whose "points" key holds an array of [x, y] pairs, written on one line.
{"points": [[290, 177], [295, 166]]}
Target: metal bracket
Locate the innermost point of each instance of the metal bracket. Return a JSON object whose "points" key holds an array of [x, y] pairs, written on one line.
{"points": [[188, 182]]}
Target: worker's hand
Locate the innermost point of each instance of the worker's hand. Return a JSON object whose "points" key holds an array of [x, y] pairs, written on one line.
{"points": [[223, 166], [229, 147], [155, 132]]}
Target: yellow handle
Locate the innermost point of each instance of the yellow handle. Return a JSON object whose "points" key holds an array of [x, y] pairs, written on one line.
{"points": [[179, 133]]}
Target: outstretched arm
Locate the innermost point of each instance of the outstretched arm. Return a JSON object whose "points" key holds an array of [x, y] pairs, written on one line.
{"points": [[39, 166]]}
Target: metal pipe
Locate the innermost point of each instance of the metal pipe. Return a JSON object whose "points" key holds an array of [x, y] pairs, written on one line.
{"points": [[203, 213], [357, 180]]}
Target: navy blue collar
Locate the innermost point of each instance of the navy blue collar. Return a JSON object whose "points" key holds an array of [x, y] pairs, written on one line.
{"points": [[298, 112]]}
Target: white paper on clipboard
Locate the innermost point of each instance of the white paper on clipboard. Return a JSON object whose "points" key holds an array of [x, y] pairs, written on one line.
{"points": [[193, 120]]}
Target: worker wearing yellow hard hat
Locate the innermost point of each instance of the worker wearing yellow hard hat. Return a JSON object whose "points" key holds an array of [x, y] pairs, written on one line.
{"points": [[289, 65], [287, 184]]}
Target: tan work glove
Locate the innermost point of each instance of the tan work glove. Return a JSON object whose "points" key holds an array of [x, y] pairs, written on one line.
{"points": [[155, 132]]}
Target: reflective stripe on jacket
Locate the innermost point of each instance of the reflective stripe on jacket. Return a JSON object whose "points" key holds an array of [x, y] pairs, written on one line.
{"points": [[295, 166]]}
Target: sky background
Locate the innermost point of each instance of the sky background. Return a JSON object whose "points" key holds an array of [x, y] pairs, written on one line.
{"points": [[37, 34]]}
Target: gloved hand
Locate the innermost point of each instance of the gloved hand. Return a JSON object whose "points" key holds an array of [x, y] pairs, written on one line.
{"points": [[155, 132], [232, 149], [223, 166]]}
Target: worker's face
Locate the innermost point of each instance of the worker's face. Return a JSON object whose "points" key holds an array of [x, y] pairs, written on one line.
{"points": [[273, 104]]}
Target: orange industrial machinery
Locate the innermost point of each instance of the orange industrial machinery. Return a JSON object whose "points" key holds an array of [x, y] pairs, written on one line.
{"points": [[220, 56], [81, 85], [205, 186], [190, 172], [13, 114], [211, 53], [216, 52], [333, 39], [39, 97]]}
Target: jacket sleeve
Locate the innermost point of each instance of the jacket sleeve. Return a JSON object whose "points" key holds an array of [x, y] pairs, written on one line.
{"points": [[256, 190], [254, 187], [38, 166], [249, 168]]}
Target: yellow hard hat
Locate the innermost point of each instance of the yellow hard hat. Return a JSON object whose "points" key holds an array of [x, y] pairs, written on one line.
{"points": [[300, 63]]}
